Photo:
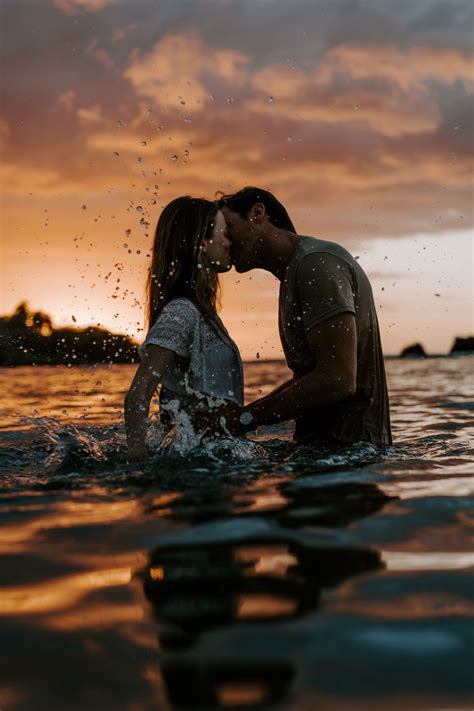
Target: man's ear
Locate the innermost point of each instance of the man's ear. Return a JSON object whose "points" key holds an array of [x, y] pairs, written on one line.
{"points": [[257, 213]]}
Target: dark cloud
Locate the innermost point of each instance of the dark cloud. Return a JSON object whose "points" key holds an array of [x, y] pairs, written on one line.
{"points": [[329, 103]]}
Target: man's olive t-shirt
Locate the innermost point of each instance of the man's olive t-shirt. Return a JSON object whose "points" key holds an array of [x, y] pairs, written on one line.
{"points": [[323, 280]]}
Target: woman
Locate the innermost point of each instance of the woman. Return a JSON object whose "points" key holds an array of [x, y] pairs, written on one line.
{"points": [[187, 350]]}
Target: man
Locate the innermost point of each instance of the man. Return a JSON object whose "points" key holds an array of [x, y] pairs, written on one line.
{"points": [[328, 327]]}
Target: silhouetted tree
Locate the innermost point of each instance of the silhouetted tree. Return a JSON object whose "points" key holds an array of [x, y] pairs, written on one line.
{"points": [[28, 338]]}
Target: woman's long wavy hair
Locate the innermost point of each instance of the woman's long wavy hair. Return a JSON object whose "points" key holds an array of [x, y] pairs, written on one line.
{"points": [[176, 261]]}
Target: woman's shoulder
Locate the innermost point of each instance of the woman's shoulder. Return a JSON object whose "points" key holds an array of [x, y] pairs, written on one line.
{"points": [[180, 313], [175, 326], [181, 305]]}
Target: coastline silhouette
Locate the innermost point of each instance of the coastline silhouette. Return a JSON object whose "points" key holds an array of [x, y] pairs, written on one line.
{"points": [[29, 338]]}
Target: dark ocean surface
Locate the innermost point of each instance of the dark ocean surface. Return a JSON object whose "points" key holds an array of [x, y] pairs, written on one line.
{"points": [[235, 575]]}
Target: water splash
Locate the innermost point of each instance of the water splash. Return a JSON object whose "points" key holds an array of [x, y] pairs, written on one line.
{"points": [[184, 442]]}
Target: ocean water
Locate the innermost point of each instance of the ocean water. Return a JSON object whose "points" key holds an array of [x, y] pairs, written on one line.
{"points": [[258, 575]]}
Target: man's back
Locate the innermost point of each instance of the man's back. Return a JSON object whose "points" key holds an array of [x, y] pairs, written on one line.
{"points": [[323, 280]]}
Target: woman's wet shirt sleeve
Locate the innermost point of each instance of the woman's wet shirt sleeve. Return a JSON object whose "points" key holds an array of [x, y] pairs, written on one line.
{"points": [[174, 328]]}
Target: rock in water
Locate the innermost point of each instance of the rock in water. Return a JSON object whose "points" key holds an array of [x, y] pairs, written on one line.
{"points": [[463, 345], [416, 350]]}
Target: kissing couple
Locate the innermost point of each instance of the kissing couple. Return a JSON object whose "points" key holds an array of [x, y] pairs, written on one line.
{"points": [[327, 322]]}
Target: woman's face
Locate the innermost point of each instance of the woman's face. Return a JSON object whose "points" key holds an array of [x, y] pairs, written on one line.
{"points": [[216, 249]]}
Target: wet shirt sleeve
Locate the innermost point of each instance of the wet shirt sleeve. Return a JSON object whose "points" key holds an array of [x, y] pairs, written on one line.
{"points": [[174, 328], [324, 287]]}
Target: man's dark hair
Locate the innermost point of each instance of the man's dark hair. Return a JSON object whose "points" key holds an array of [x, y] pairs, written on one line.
{"points": [[242, 202]]}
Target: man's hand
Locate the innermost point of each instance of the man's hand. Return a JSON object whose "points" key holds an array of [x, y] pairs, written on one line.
{"points": [[219, 420]]}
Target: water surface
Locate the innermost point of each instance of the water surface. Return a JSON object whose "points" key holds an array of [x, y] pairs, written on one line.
{"points": [[251, 576]]}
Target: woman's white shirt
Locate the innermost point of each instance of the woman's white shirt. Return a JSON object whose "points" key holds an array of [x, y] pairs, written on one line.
{"points": [[215, 367]]}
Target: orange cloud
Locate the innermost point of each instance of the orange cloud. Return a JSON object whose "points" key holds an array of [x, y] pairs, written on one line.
{"points": [[381, 86], [173, 74], [405, 68], [72, 7], [91, 115]]}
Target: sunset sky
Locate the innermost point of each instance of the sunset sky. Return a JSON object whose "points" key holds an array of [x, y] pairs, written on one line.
{"points": [[357, 114]]}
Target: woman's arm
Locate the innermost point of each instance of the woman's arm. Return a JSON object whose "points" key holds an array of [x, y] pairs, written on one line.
{"points": [[137, 401]]}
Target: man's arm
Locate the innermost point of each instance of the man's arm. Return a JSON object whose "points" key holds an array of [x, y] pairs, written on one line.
{"points": [[334, 346]]}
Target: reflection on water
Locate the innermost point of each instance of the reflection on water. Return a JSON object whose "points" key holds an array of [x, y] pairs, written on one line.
{"points": [[300, 579], [196, 588]]}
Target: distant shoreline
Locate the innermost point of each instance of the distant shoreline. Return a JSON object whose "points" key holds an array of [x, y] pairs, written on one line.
{"points": [[29, 339], [276, 361]]}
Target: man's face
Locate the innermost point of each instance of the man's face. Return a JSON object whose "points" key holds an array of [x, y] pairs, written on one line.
{"points": [[244, 236]]}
